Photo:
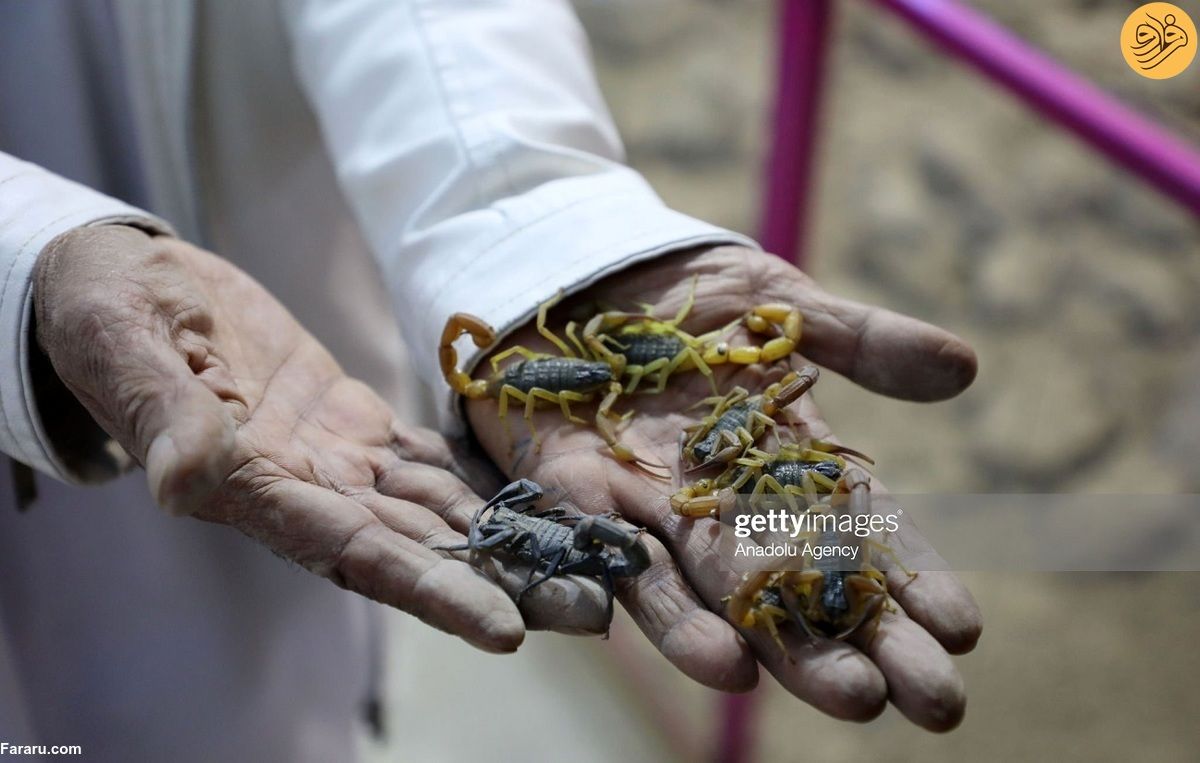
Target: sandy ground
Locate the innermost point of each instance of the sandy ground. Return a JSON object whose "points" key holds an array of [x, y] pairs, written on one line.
{"points": [[941, 198]]}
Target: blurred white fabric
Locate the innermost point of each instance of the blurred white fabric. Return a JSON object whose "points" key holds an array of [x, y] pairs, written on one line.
{"points": [[465, 145]]}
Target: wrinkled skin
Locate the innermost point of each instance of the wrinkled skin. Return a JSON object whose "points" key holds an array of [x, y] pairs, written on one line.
{"points": [[241, 417], [676, 602]]}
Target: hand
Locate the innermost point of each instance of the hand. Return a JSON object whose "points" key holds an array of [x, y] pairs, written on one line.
{"points": [[242, 418], [675, 601]]}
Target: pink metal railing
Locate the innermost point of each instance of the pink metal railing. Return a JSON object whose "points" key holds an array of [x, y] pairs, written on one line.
{"points": [[1126, 137]]}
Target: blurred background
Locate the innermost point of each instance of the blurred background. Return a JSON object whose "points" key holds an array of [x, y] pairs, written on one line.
{"points": [[938, 196]]}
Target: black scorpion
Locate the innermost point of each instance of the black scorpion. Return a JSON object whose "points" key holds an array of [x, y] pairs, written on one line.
{"points": [[553, 541]]}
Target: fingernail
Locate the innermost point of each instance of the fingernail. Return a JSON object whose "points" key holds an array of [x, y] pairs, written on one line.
{"points": [[161, 458], [176, 491], [503, 630]]}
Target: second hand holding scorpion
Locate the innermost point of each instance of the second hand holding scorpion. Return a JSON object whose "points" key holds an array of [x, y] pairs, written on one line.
{"points": [[677, 600]]}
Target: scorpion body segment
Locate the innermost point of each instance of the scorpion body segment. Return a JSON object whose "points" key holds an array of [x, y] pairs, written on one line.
{"points": [[725, 429], [553, 373], [794, 473], [554, 542], [644, 349]]}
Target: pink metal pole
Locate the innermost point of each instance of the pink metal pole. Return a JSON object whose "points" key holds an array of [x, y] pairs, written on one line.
{"points": [[1125, 136], [803, 33]]}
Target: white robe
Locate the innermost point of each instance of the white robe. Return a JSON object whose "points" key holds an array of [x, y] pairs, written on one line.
{"points": [[462, 143]]}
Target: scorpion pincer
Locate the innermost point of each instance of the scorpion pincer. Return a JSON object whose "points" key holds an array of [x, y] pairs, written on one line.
{"points": [[654, 349], [825, 599], [554, 542], [573, 377]]}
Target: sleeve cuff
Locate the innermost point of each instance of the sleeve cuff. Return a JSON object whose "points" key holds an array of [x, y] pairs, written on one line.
{"points": [[38, 206], [569, 249]]}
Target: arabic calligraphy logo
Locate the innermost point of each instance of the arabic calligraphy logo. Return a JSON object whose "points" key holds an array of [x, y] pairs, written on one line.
{"points": [[1158, 40]]}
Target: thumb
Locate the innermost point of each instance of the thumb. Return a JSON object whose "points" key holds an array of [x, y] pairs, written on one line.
{"points": [[884, 351], [123, 322], [189, 441]]}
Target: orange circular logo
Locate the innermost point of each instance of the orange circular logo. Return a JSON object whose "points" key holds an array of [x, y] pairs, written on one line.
{"points": [[1158, 40]]}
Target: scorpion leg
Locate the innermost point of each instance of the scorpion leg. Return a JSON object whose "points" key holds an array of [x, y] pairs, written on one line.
{"points": [[531, 399], [872, 596], [811, 582], [823, 446], [595, 338], [686, 308], [506, 392], [474, 533], [543, 309], [522, 491], [886, 551], [654, 368], [677, 363], [607, 431], [570, 332], [552, 569], [730, 446], [517, 349], [563, 400], [767, 482]]}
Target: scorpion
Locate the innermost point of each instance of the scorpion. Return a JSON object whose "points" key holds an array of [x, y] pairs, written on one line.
{"points": [[796, 470], [738, 419], [651, 348], [554, 542], [542, 377], [824, 598]]}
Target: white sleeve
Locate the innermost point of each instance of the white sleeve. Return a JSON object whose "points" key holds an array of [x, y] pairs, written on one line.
{"points": [[35, 206], [478, 155]]}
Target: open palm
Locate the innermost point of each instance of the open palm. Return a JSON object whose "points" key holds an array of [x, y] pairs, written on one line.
{"points": [[241, 417]]}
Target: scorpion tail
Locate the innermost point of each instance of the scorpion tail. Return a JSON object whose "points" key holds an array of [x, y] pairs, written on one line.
{"points": [[483, 335], [790, 389], [823, 446]]}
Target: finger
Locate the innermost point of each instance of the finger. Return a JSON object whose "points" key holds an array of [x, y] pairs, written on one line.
{"points": [[694, 639], [662, 603], [922, 680], [941, 604], [338, 538], [191, 445], [460, 457], [935, 599], [831, 676], [883, 351], [434, 507]]}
